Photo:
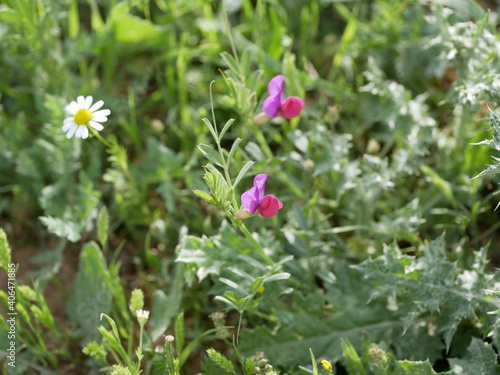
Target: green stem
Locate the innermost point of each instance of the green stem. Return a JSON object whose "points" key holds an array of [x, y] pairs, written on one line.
{"points": [[257, 245], [98, 136], [130, 339], [269, 155], [140, 336]]}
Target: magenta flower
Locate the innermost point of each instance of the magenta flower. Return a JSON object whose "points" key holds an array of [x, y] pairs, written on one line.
{"points": [[276, 105], [255, 202]]}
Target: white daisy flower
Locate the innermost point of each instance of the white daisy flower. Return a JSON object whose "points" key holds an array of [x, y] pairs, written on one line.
{"points": [[83, 113], [142, 316]]}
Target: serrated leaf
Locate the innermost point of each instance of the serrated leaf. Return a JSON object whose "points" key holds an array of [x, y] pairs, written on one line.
{"points": [[430, 284], [470, 7], [492, 169], [90, 295], [480, 359], [417, 368], [62, 228]]}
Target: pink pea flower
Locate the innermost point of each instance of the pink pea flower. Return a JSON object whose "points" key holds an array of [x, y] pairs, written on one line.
{"points": [[255, 202], [276, 105]]}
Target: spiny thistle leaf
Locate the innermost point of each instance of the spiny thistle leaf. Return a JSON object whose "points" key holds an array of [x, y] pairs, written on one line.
{"points": [[480, 359], [431, 284]]}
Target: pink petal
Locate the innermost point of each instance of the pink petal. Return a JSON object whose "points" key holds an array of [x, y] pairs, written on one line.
{"points": [[276, 85], [252, 198], [269, 206], [249, 200], [259, 183], [271, 106], [291, 107]]}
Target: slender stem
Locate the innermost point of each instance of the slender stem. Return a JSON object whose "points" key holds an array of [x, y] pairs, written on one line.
{"points": [[130, 339], [98, 136], [257, 245], [230, 35], [140, 335], [269, 154], [225, 163]]}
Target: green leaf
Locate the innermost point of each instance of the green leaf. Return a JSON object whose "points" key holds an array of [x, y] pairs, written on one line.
{"points": [[220, 361], [226, 127], [212, 155], [129, 29], [230, 62], [227, 302], [277, 276], [353, 318], [90, 295], [205, 196], [470, 7], [103, 226], [233, 285], [242, 172], [62, 228], [430, 284], [180, 327], [314, 364], [353, 362], [234, 147], [443, 185], [166, 307], [210, 127], [419, 368], [73, 21], [480, 359], [256, 285]]}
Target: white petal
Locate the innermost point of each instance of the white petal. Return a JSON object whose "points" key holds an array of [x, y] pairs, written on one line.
{"points": [[88, 101], [81, 101], [96, 125], [79, 131], [71, 131], [100, 118], [67, 120], [68, 125], [72, 108], [85, 133], [102, 112], [96, 106]]}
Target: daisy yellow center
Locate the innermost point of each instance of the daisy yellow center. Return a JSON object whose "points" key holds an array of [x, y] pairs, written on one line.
{"points": [[83, 116]]}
